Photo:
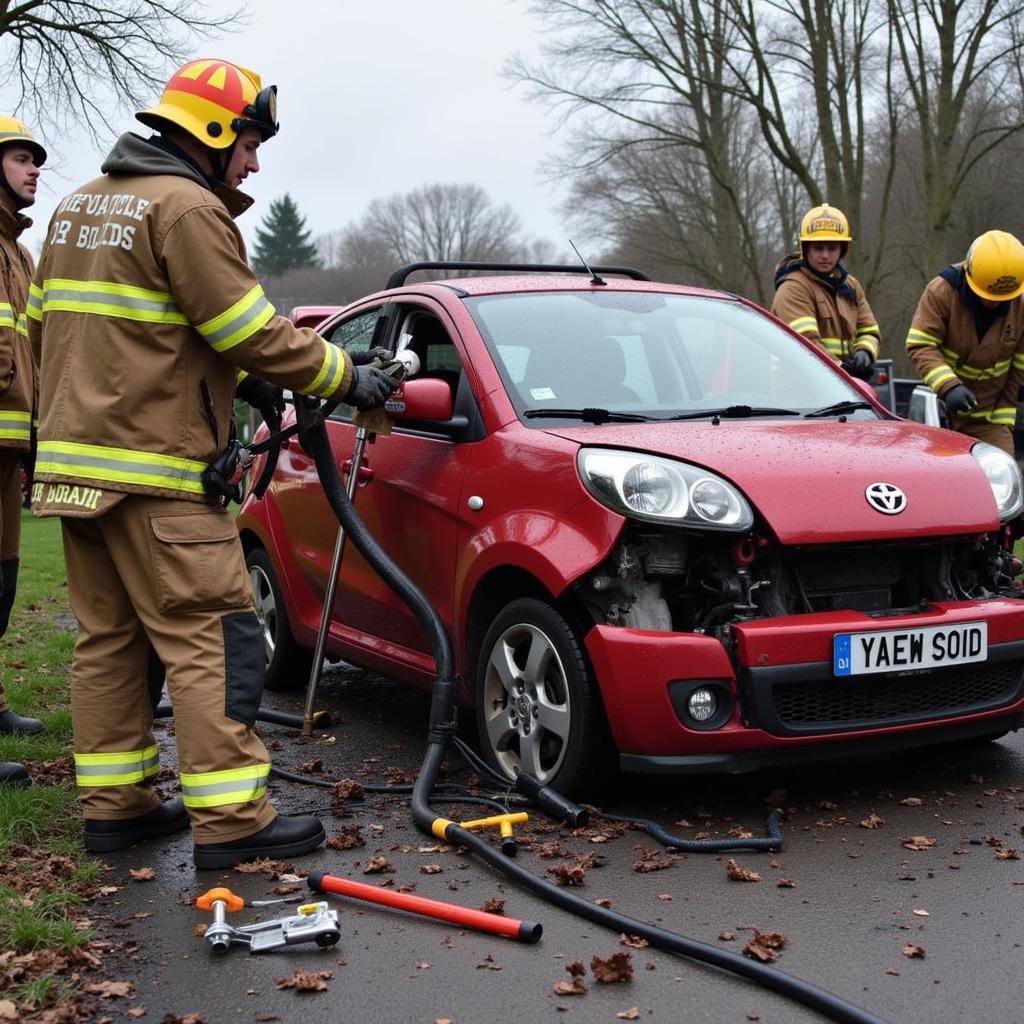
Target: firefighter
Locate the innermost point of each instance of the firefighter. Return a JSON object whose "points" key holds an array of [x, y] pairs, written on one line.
{"points": [[967, 338], [820, 299], [21, 156], [142, 313]]}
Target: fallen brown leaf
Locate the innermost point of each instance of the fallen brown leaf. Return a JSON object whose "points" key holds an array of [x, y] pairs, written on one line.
{"points": [[913, 951], [919, 843], [872, 821], [493, 906], [631, 1014], [378, 865], [306, 981], [576, 987], [737, 874], [1006, 853], [110, 989], [431, 869], [617, 968], [633, 941]]}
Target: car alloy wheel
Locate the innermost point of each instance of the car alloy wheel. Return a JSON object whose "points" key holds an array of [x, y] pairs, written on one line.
{"points": [[287, 664], [537, 709]]}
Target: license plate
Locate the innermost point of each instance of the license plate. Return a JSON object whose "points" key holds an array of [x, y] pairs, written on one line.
{"points": [[900, 650]]}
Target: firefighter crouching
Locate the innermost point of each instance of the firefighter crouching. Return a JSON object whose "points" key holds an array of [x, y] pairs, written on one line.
{"points": [[142, 311], [967, 338], [820, 299]]}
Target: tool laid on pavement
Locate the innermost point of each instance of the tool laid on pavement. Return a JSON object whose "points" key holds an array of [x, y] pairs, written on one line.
{"points": [[313, 922], [466, 917]]}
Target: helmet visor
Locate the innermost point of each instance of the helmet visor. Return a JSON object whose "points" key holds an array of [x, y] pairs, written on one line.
{"points": [[260, 114]]}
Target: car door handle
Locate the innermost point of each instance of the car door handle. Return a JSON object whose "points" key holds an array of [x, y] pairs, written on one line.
{"points": [[365, 473]]}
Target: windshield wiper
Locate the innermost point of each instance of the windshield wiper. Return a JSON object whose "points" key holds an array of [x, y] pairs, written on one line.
{"points": [[733, 412], [838, 408], [588, 415]]}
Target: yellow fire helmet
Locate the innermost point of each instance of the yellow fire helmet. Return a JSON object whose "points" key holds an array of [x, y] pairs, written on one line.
{"points": [[213, 100], [13, 130], [825, 224], [995, 266]]}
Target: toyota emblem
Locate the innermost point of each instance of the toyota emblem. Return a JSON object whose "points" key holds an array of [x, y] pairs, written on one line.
{"points": [[885, 498]]}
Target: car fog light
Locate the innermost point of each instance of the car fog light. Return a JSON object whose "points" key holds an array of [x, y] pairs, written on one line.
{"points": [[701, 704], [710, 499], [647, 487]]}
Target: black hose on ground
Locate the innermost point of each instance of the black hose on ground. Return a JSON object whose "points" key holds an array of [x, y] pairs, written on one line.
{"points": [[442, 729], [772, 841]]}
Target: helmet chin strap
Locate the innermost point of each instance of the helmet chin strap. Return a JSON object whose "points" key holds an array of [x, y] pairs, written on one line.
{"points": [[220, 160]]}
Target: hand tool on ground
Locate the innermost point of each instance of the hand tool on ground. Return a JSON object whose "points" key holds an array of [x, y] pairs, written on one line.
{"points": [[313, 922], [368, 426], [466, 917]]}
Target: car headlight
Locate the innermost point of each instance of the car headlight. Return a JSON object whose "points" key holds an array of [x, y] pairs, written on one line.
{"points": [[647, 487], [1003, 477]]}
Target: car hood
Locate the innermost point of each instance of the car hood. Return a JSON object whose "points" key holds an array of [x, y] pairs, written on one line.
{"points": [[808, 478]]}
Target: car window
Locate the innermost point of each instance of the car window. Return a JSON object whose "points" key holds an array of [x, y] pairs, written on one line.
{"points": [[355, 335], [657, 354]]}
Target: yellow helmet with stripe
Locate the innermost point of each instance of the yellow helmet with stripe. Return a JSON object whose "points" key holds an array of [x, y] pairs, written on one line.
{"points": [[213, 100], [995, 266], [825, 224], [13, 130]]}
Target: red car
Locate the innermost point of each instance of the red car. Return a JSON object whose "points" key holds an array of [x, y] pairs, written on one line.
{"points": [[662, 529]]}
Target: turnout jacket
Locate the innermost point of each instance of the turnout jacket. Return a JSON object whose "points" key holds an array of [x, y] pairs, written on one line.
{"points": [[944, 345], [832, 312], [142, 314], [17, 369]]}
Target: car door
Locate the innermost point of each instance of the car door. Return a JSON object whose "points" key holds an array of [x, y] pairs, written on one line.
{"points": [[408, 496]]}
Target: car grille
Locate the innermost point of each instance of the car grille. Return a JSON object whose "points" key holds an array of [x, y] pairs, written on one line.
{"points": [[831, 705]]}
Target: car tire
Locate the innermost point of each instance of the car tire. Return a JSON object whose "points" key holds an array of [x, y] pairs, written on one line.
{"points": [[537, 704], [288, 664]]}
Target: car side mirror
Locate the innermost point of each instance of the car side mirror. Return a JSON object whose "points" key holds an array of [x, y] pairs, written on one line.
{"points": [[427, 399]]}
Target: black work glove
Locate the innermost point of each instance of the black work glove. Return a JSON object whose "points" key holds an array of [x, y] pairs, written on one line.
{"points": [[959, 400], [860, 364], [385, 355], [265, 397], [370, 388]]}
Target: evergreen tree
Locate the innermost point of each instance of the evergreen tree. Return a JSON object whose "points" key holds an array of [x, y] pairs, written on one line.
{"points": [[282, 240]]}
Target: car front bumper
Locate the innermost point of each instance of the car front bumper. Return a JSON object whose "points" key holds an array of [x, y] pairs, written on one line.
{"points": [[787, 706]]}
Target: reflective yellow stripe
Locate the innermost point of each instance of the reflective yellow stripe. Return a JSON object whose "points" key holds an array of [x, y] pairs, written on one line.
{"points": [[1018, 362], [1003, 415], [6, 315], [119, 465], [919, 337], [803, 324], [231, 786], [937, 377], [834, 346], [35, 302], [22, 325], [867, 342], [121, 768], [328, 380], [868, 329], [1000, 369], [101, 298], [15, 426], [238, 322]]}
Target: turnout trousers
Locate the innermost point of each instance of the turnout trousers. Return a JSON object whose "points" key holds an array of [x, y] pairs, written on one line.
{"points": [[10, 539], [993, 433], [172, 574]]}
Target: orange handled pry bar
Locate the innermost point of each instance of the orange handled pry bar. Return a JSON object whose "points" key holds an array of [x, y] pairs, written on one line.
{"points": [[523, 931]]}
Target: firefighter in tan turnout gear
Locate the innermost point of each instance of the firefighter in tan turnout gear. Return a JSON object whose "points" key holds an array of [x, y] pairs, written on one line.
{"points": [[967, 338], [820, 299], [142, 312], [21, 156]]}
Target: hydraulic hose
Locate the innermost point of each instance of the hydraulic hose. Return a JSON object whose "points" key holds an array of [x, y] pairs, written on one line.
{"points": [[772, 841], [313, 433]]}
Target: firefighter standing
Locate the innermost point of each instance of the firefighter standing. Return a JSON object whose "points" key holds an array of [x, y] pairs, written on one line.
{"points": [[817, 297], [141, 312], [20, 159], [967, 338]]}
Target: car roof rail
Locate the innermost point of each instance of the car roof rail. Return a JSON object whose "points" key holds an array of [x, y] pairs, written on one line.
{"points": [[397, 278]]}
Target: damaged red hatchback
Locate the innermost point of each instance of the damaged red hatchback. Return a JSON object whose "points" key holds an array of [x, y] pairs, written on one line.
{"points": [[661, 528]]}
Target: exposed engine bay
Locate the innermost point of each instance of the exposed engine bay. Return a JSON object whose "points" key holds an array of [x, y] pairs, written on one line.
{"points": [[658, 579]]}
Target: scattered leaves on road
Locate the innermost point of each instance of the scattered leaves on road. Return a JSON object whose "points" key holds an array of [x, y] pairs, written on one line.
{"points": [[872, 821], [572, 874], [912, 950], [919, 843], [142, 874], [378, 865], [348, 837], [306, 981], [615, 969], [765, 946], [631, 1014], [493, 906]]}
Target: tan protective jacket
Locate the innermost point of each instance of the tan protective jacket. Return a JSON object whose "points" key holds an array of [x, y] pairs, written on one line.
{"points": [[17, 368], [838, 323], [944, 347], [141, 312]]}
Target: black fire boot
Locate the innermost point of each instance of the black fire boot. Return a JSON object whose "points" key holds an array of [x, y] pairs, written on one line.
{"points": [[8, 588], [283, 837], [13, 775], [118, 833], [12, 722]]}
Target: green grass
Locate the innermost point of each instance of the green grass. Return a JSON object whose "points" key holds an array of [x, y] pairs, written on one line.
{"points": [[43, 820]]}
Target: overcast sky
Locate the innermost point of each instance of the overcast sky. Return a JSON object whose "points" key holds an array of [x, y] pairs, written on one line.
{"points": [[374, 98]]}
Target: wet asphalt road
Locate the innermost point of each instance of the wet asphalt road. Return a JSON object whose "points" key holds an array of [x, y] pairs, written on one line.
{"points": [[847, 897]]}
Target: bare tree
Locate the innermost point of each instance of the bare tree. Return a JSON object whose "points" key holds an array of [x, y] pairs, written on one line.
{"points": [[437, 222], [62, 61]]}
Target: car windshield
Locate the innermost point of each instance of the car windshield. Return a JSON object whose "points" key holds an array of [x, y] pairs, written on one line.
{"points": [[656, 355]]}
